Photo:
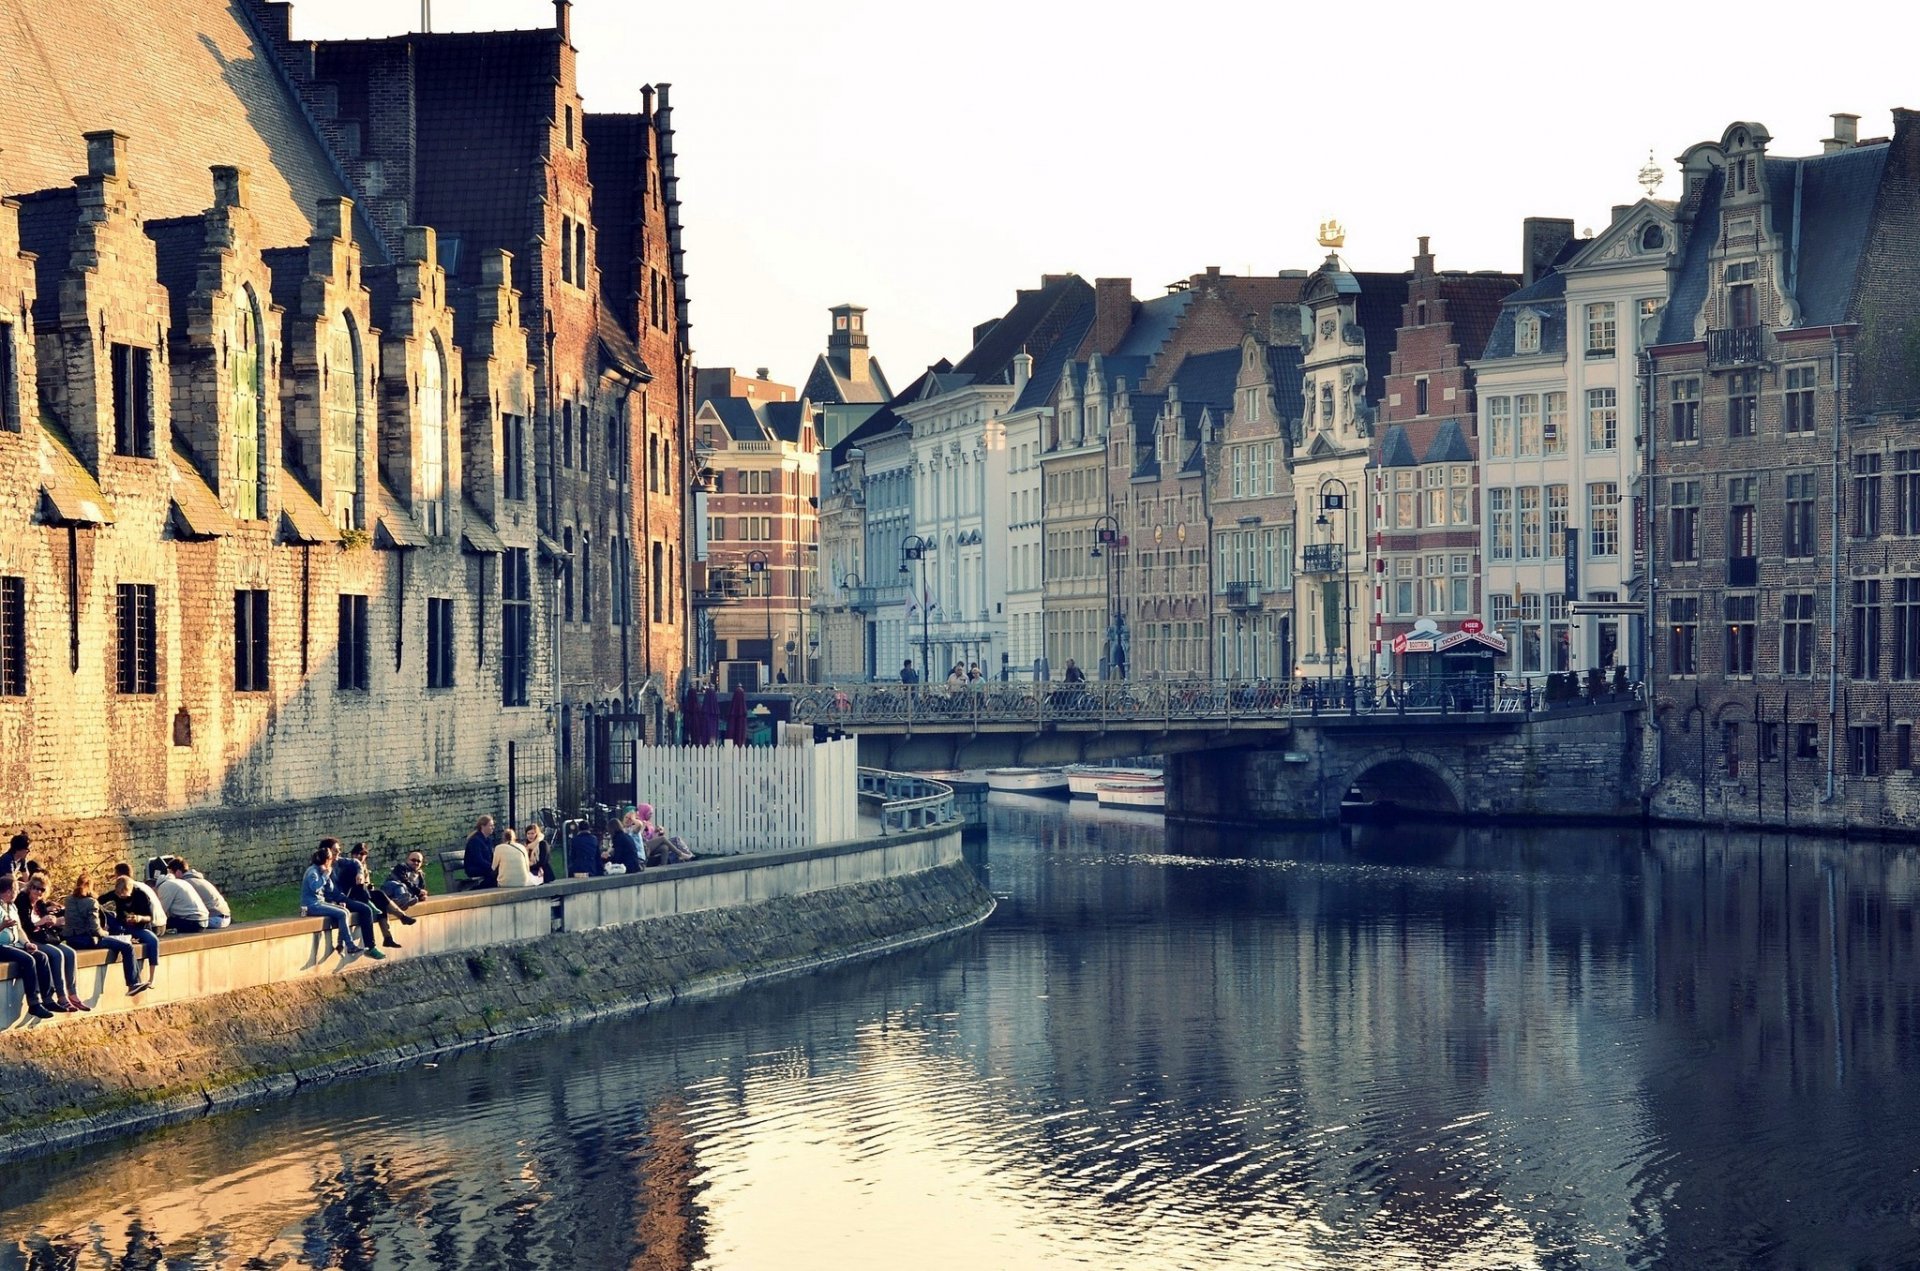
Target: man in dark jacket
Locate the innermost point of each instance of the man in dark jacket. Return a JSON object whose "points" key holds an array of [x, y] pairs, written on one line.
{"points": [[583, 853], [478, 863]]}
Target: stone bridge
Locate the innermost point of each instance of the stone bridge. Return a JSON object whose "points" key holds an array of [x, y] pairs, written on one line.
{"points": [[1261, 753]]}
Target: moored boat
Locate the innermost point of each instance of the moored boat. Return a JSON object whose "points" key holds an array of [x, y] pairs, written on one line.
{"points": [[1027, 780], [1083, 777], [1132, 794]]}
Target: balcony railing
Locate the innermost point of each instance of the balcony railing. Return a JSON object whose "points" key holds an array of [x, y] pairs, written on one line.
{"points": [[1325, 558], [1243, 596], [1735, 346]]}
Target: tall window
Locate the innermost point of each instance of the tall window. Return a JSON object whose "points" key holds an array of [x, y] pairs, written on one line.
{"points": [[1500, 522], [435, 447], [1683, 521], [439, 642], [354, 642], [1799, 398], [249, 413], [1743, 403], [13, 637], [344, 395], [1796, 535], [1684, 410], [1906, 628], [566, 575], [1553, 429], [1796, 633], [250, 616], [1739, 611], [1905, 466], [1865, 636], [9, 381], [1405, 498], [1603, 419], [566, 434], [513, 456], [586, 576], [1603, 519], [1602, 329], [1742, 538], [1529, 496], [516, 626], [1526, 334], [1434, 479], [1420, 397], [1526, 413], [1866, 496], [1683, 615], [1556, 518], [658, 576], [1500, 427], [566, 249], [137, 648], [580, 253], [1863, 750], [132, 370]]}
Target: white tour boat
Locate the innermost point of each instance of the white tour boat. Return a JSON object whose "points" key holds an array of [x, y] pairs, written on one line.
{"points": [[1083, 777], [1027, 780], [1150, 795]]}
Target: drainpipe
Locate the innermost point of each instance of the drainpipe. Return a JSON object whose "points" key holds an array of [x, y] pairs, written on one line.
{"points": [[1833, 591], [1650, 428]]}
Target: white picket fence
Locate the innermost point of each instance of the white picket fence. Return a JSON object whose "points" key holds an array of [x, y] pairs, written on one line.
{"points": [[730, 799]]}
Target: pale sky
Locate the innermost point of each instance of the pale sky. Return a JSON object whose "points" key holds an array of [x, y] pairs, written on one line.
{"points": [[925, 159]]}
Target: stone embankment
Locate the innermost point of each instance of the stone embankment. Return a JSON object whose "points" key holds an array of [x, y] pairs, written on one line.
{"points": [[478, 968]]}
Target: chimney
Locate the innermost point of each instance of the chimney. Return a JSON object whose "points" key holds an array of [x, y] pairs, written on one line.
{"points": [[1022, 370], [1423, 260], [106, 153], [563, 20], [1541, 238], [333, 218], [760, 372], [229, 186], [1846, 134], [1112, 312]]}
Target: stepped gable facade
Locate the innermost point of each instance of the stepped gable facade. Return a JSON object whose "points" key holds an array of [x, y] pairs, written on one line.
{"points": [[282, 508]]}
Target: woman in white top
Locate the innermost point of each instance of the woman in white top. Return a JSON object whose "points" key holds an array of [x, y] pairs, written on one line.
{"points": [[510, 864]]}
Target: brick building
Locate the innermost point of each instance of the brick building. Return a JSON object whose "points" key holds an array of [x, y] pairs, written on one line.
{"points": [[1785, 518], [285, 531], [1250, 499]]}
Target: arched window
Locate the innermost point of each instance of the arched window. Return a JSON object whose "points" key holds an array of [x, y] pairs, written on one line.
{"points": [[249, 412], [345, 436], [434, 442]]}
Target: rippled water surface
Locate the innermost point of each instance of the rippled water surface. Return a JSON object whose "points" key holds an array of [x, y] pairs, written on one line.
{"points": [[1168, 1049]]}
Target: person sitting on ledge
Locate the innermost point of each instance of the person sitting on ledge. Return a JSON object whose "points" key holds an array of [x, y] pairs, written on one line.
{"points": [[155, 909], [626, 843], [478, 863], [583, 853], [185, 911], [218, 913], [662, 848], [511, 868], [406, 886], [45, 925], [131, 914], [350, 881], [318, 900], [84, 932], [30, 964], [14, 859], [538, 862]]}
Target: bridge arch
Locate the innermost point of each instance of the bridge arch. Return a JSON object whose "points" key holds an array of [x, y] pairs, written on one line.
{"points": [[1412, 780]]}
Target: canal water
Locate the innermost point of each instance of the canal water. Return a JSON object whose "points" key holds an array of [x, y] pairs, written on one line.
{"points": [[1170, 1048]]}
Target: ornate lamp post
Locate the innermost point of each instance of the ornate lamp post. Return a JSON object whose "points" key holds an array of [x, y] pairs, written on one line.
{"points": [[1107, 541], [1337, 502], [915, 548], [757, 564]]}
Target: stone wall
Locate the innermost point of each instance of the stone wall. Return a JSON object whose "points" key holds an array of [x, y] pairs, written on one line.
{"points": [[477, 968]]}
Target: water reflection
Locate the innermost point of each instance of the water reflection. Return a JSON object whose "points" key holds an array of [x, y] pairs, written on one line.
{"points": [[1169, 1049]]}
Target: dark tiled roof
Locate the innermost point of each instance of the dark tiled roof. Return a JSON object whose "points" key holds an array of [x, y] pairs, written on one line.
{"points": [[1050, 363], [616, 164], [1690, 277], [1378, 310], [1473, 306], [830, 383], [288, 266], [785, 419], [881, 421], [1037, 318], [1153, 322], [1283, 372], [1396, 451], [177, 244], [1837, 199], [46, 229], [1208, 377], [1545, 298], [1450, 444], [737, 414], [185, 81]]}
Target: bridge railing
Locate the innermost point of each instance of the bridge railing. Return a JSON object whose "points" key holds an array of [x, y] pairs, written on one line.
{"points": [[1191, 702], [908, 801]]}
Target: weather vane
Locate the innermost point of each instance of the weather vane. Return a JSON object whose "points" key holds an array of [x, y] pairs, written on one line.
{"points": [[1652, 175], [1332, 234]]}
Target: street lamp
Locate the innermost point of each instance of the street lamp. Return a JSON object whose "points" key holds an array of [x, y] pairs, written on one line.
{"points": [[1337, 502], [915, 548], [1107, 541], [850, 596], [757, 564]]}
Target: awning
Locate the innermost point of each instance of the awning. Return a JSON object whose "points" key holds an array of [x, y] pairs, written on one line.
{"points": [[301, 520], [68, 493], [195, 512], [476, 536], [552, 550], [394, 528], [1432, 642]]}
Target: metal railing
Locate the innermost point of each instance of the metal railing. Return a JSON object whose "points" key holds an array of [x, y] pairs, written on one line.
{"points": [[1197, 703], [909, 801], [1735, 346], [1323, 558]]}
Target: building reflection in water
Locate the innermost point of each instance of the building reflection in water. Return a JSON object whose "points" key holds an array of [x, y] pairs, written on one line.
{"points": [[1170, 1048]]}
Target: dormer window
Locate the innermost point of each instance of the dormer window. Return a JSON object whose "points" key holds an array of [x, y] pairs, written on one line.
{"points": [[1526, 333]]}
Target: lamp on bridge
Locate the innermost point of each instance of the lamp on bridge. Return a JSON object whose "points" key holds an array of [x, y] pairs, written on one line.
{"points": [[915, 548], [1336, 502], [757, 564], [1107, 541]]}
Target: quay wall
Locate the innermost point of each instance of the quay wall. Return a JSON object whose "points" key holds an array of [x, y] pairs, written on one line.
{"points": [[257, 1010]]}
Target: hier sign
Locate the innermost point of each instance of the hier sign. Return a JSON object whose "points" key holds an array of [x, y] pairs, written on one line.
{"points": [[1472, 626]]}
